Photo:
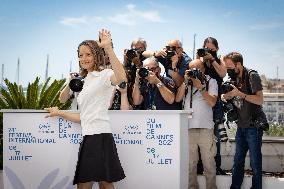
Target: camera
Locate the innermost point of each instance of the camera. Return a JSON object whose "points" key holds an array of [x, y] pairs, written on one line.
{"points": [[171, 51], [196, 74], [143, 72], [131, 53], [203, 51], [227, 86], [76, 84]]}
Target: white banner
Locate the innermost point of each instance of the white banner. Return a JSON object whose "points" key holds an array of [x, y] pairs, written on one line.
{"points": [[42, 153]]}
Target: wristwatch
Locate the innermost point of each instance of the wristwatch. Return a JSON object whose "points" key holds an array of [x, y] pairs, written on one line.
{"points": [[159, 85]]}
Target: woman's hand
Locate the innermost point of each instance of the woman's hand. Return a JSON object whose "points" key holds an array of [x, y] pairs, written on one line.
{"points": [[105, 39], [53, 111]]}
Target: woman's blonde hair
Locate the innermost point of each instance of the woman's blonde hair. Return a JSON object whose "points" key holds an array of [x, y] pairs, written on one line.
{"points": [[100, 57]]}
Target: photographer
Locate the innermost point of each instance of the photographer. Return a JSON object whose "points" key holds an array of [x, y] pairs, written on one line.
{"points": [[174, 60], [151, 89], [200, 93], [248, 89], [132, 61], [216, 69]]}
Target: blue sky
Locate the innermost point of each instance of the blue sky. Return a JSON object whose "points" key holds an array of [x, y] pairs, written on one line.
{"points": [[30, 30]]}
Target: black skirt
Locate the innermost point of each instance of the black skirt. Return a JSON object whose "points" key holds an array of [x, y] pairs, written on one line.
{"points": [[98, 160]]}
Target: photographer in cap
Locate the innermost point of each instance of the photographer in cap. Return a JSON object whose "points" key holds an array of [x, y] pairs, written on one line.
{"points": [[155, 92], [199, 93], [216, 69], [248, 89]]}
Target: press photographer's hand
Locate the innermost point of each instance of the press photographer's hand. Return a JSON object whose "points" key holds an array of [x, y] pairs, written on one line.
{"points": [[152, 78], [137, 77], [186, 77], [174, 60], [208, 57], [161, 53], [197, 83], [231, 94], [234, 92]]}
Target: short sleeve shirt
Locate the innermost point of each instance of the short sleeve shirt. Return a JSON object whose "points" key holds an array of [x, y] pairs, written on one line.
{"points": [[94, 101], [202, 116], [245, 112]]}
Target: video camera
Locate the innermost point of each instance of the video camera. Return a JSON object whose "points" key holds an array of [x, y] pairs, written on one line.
{"points": [[76, 84]]}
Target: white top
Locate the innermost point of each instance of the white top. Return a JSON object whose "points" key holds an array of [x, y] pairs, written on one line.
{"points": [[202, 116], [94, 101]]}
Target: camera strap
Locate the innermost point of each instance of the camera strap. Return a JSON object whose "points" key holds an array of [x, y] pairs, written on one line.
{"points": [[191, 95]]}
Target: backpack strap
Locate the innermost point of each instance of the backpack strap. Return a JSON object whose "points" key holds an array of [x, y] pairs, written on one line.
{"points": [[248, 81]]}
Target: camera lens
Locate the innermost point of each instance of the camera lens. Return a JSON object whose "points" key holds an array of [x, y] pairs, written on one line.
{"points": [[131, 53], [76, 84], [143, 72]]}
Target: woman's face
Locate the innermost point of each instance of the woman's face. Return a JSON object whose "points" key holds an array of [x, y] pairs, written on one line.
{"points": [[211, 46], [86, 58]]}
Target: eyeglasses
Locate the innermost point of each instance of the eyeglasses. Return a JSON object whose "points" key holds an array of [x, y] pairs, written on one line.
{"points": [[153, 69], [172, 48]]}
